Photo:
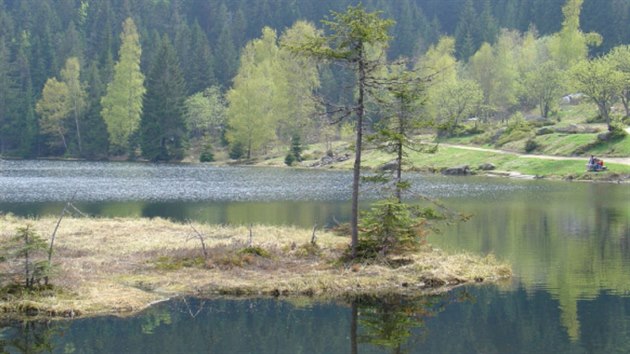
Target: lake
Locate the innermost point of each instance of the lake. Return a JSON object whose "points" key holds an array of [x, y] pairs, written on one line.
{"points": [[568, 243]]}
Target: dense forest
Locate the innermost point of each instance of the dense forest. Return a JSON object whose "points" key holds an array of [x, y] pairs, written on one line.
{"points": [[103, 78]]}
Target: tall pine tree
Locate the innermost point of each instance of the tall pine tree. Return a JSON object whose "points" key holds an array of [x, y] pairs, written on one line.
{"points": [[162, 130]]}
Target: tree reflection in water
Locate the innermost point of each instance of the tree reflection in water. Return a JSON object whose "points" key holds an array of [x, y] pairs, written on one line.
{"points": [[391, 321], [29, 337]]}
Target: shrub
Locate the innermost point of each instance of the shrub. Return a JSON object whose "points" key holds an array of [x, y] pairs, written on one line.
{"points": [[289, 159], [26, 253], [236, 151], [255, 251], [390, 227], [206, 154], [296, 148], [531, 145]]}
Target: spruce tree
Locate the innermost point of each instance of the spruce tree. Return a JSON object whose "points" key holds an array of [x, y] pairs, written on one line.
{"points": [[355, 36], [162, 130]]}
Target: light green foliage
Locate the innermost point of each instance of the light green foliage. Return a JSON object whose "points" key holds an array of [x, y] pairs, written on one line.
{"points": [[122, 104], [53, 109], [496, 69], [206, 112], [620, 57], [544, 86], [438, 64], [251, 112], [300, 78], [456, 101], [570, 45], [76, 94], [600, 81], [272, 95], [481, 69], [507, 75], [62, 100]]}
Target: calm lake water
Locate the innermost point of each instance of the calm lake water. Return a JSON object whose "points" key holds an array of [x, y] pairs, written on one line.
{"points": [[568, 243]]}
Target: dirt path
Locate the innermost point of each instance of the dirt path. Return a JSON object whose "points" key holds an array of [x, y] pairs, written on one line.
{"points": [[618, 160]]}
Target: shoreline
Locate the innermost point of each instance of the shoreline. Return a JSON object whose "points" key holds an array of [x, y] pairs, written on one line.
{"points": [[118, 266]]}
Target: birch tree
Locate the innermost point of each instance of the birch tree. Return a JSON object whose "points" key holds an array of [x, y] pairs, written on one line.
{"points": [[122, 104]]}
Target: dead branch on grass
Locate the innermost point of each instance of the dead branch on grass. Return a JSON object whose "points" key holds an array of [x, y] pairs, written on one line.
{"points": [[198, 235]]}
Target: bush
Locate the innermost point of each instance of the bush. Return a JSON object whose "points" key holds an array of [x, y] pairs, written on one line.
{"points": [[531, 145], [390, 227], [617, 130], [206, 154], [236, 151], [289, 159], [296, 148], [26, 253]]}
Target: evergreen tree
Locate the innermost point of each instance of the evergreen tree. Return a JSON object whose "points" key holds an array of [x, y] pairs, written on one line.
{"points": [[467, 32], [95, 136], [100, 38], [355, 36], [122, 104], [162, 131], [42, 51], [6, 96], [227, 61], [489, 29], [24, 128], [200, 73]]}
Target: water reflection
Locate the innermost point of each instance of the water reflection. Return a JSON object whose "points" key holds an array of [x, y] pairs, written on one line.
{"points": [[468, 320], [569, 242], [394, 323], [30, 337]]}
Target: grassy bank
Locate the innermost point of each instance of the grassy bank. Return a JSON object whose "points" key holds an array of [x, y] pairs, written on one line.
{"points": [[552, 167], [120, 266]]}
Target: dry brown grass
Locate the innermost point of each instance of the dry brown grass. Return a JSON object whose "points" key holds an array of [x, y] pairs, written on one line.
{"points": [[123, 265]]}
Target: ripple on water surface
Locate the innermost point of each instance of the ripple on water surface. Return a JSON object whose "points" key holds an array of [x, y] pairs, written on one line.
{"points": [[43, 181]]}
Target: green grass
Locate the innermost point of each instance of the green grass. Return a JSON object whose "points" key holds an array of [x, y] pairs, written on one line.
{"points": [[617, 148], [563, 144], [451, 156]]}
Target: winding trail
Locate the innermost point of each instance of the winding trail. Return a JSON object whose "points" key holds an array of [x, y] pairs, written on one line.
{"points": [[617, 160]]}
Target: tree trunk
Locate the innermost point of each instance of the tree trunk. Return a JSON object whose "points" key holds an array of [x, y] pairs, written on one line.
{"points": [[399, 158], [76, 122], [357, 159], [603, 109], [354, 327], [625, 98]]}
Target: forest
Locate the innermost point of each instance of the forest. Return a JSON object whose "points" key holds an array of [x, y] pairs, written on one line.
{"points": [[101, 79]]}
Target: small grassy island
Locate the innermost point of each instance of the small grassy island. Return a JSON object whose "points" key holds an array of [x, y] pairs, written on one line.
{"points": [[120, 266]]}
